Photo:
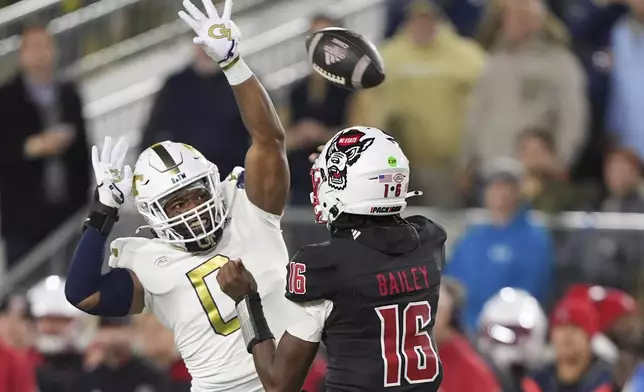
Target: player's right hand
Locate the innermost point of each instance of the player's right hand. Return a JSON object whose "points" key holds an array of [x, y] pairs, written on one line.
{"points": [[217, 35], [113, 180]]}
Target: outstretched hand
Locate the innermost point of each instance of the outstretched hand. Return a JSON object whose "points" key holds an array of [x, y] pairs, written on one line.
{"points": [[217, 35]]}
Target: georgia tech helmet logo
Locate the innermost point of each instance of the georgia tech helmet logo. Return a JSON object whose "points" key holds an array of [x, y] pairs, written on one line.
{"points": [[219, 31]]}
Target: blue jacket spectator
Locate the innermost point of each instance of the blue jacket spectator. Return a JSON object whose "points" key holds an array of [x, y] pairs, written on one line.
{"points": [[510, 251]]}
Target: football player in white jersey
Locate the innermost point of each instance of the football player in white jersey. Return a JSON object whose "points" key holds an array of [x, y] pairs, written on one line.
{"points": [[199, 223]]}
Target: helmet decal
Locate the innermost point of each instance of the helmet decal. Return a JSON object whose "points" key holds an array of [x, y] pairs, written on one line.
{"points": [[345, 150]]}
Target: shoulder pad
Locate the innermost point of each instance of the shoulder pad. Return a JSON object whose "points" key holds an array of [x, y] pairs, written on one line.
{"points": [[310, 274], [154, 263]]}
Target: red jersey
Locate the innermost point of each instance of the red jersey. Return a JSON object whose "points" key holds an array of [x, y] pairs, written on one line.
{"points": [[464, 370], [16, 372]]}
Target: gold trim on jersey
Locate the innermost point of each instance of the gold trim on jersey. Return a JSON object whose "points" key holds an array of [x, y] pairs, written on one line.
{"points": [[197, 277]]}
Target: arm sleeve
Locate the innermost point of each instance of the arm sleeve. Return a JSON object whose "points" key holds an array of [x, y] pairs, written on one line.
{"points": [[84, 279], [309, 327]]}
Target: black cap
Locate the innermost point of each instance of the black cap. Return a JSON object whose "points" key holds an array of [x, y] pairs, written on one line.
{"points": [[16, 303]]}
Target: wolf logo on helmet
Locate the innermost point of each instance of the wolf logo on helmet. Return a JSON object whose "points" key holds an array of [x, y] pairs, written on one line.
{"points": [[345, 150]]}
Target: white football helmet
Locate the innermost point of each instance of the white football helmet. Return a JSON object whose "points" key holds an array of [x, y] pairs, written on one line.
{"points": [[360, 171], [512, 329], [166, 168], [60, 326]]}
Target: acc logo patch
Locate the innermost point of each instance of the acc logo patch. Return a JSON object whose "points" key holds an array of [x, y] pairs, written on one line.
{"points": [[162, 261]]}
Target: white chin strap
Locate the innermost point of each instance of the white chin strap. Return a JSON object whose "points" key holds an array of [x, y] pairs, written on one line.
{"points": [[413, 193]]}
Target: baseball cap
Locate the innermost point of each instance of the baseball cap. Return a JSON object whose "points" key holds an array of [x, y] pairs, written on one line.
{"points": [[578, 313], [610, 304]]}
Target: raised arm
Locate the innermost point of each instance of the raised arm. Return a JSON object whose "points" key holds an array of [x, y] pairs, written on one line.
{"points": [[267, 174], [118, 292]]}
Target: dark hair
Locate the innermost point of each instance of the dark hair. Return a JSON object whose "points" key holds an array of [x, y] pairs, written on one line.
{"points": [[541, 135]]}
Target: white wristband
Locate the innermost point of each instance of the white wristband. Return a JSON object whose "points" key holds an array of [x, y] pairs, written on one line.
{"points": [[237, 72]]}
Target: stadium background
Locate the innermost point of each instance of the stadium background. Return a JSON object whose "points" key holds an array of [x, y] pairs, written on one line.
{"points": [[120, 52]]}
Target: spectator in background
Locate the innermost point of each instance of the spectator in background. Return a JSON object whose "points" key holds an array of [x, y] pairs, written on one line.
{"points": [[156, 343], [491, 23], [455, 351], [623, 176], [16, 374], [618, 315], [110, 365], [62, 334], [610, 258], [464, 14], [512, 332], [575, 368], [430, 74], [196, 106], [625, 116], [509, 251], [44, 159], [16, 323], [317, 110], [629, 371], [545, 184], [590, 23], [532, 81], [17, 371]]}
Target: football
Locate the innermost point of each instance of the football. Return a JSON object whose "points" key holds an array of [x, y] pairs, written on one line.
{"points": [[345, 58]]}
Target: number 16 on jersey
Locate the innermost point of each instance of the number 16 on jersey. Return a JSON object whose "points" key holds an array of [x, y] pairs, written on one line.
{"points": [[406, 345]]}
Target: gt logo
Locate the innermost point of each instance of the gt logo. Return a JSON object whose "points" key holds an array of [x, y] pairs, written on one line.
{"points": [[135, 181], [224, 32]]}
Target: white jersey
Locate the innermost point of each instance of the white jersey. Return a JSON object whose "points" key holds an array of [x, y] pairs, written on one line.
{"points": [[181, 290]]}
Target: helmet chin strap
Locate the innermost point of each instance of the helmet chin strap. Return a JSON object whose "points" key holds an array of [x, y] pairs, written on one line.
{"points": [[413, 193]]}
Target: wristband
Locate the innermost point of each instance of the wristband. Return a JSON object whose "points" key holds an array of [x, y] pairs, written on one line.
{"points": [[251, 318], [101, 217], [237, 72]]}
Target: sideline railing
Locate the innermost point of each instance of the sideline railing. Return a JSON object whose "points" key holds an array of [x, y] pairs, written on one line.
{"points": [[299, 229]]}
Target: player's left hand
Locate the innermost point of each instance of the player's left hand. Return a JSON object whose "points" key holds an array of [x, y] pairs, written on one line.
{"points": [[217, 35], [235, 280]]}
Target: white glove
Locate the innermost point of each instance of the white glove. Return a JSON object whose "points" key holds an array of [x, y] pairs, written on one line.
{"points": [[218, 36], [113, 181]]}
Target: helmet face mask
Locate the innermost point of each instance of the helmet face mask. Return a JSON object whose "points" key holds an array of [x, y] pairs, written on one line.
{"points": [[360, 171], [193, 175]]}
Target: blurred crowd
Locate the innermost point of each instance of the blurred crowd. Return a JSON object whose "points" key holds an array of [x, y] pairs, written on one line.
{"points": [[507, 105]]}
